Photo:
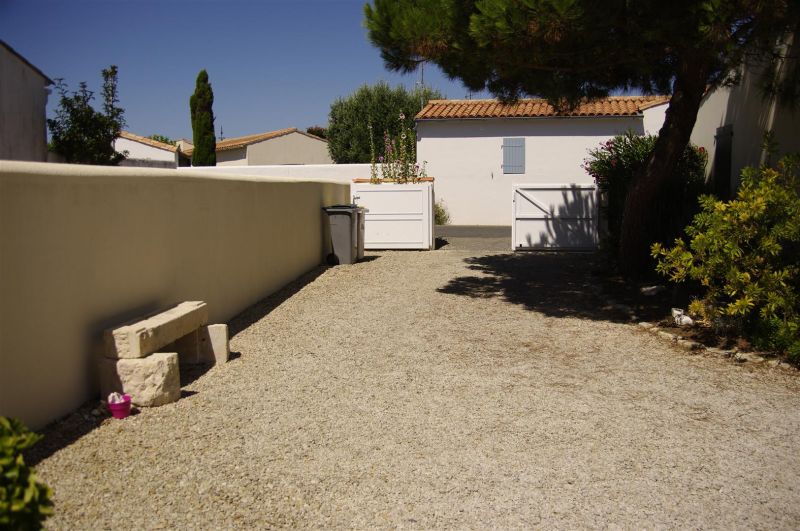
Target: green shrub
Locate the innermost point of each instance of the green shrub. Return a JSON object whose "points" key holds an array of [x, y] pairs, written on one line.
{"points": [[440, 214], [746, 255], [24, 502], [614, 165]]}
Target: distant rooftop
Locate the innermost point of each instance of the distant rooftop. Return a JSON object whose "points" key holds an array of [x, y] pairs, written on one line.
{"points": [[242, 141], [148, 141]]}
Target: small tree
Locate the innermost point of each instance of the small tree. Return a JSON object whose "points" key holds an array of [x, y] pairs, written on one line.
{"points": [[379, 105], [317, 130], [163, 139], [81, 134], [200, 105]]}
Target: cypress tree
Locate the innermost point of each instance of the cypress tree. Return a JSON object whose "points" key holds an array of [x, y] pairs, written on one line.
{"points": [[200, 104]]}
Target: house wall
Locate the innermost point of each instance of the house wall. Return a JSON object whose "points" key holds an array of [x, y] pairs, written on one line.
{"points": [[139, 151], [23, 98], [232, 157], [653, 118], [465, 158], [750, 114], [294, 148], [83, 248]]}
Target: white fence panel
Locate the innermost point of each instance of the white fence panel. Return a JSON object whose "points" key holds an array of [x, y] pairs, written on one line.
{"points": [[554, 217], [400, 216]]}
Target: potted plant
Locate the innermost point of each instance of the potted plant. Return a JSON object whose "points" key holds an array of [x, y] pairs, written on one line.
{"points": [[398, 195]]}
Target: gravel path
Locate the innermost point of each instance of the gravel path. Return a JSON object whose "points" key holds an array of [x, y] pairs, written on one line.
{"points": [[438, 390]]}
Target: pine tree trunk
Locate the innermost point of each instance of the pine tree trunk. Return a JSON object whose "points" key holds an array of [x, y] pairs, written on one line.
{"points": [[688, 90]]}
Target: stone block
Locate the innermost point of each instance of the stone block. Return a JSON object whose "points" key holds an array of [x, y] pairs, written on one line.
{"points": [[689, 345], [667, 335], [151, 381], [213, 344], [140, 338]]}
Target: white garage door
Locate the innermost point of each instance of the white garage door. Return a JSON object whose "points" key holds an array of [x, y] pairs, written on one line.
{"points": [[554, 217]]}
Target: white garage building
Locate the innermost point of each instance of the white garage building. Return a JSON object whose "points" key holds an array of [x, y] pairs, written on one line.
{"points": [[489, 158]]}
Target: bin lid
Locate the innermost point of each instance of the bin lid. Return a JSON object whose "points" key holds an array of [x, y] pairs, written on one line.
{"points": [[341, 208]]}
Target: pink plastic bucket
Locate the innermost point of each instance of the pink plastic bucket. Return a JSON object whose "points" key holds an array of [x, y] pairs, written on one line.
{"points": [[122, 409]]}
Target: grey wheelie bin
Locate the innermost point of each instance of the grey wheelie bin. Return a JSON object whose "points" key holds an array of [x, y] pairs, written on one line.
{"points": [[347, 233]]}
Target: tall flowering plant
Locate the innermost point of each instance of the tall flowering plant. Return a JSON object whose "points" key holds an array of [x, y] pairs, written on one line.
{"points": [[397, 163]]}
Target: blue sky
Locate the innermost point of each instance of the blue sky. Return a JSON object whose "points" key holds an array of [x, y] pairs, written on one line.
{"points": [[272, 64]]}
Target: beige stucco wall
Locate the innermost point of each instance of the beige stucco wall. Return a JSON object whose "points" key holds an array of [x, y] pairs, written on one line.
{"points": [[232, 157], [23, 98], [83, 248], [294, 148]]}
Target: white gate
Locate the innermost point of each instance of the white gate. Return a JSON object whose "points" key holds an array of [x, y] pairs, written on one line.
{"points": [[399, 216], [554, 217]]}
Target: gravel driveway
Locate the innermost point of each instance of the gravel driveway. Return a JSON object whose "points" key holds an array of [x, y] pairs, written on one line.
{"points": [[447, 389]]}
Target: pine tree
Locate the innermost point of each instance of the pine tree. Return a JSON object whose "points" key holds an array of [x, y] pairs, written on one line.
{"points": [[570, 50], [200, 104]]}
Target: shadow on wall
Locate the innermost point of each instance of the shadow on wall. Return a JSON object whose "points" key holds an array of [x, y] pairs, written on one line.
{"points": [[570, 226], [68, 429], [554, 284]]}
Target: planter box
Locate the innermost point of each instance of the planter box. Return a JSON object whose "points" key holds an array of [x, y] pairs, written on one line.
{"points": [[399, 216]]}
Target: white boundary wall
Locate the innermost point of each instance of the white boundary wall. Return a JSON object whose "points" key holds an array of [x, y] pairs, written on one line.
{"points": [[340, 173], [83, 248]]}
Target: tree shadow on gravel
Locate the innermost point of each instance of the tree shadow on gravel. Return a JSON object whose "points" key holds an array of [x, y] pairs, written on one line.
{"points": [[554, 284]]}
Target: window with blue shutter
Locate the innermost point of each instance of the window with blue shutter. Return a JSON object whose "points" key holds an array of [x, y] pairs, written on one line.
{"points": [[513, 155]]}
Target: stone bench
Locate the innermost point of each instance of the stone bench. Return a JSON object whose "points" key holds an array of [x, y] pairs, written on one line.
{"points": [[142, 357]]}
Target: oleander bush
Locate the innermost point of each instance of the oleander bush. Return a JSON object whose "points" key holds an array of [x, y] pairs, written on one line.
{"points": [[24, 502], [745, 253], [613, 166]]}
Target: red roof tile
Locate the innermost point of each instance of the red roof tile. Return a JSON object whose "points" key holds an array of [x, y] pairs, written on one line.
{"points": [[536, 108]]}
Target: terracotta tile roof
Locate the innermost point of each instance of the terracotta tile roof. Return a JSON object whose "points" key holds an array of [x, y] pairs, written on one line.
{"points": [[535, 108], [148, 141]]}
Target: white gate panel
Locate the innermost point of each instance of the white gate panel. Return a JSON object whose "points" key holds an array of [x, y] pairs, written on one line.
{"points": [[399, 216], [554, 217]]}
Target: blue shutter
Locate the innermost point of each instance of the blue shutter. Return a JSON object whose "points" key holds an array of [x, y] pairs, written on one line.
{"points": [[513, 155]]}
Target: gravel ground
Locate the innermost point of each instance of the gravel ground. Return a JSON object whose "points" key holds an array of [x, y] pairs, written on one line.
{"points": [[447, 390]]}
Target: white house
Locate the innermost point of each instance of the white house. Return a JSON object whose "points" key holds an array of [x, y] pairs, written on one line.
{"points": [[478, 150], [732, 121], [285, 146], [23, 99], [143, 151]]}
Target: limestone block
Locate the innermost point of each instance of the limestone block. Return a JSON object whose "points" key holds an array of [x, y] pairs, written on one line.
{"points": [[140, 338], [667, 335], [213, 344], [151, 381]]}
